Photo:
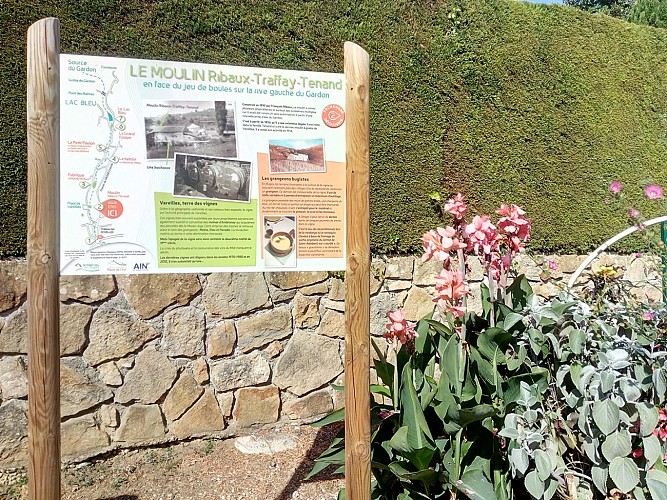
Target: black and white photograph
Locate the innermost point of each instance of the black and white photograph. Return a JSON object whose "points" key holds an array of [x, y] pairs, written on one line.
{"points": [[195, 127], [198, 176]]}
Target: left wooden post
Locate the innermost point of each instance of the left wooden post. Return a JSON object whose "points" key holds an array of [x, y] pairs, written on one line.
{"points": [[42, 253]]}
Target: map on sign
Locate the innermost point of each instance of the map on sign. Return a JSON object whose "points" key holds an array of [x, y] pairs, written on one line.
{"points": [[186, 167]]}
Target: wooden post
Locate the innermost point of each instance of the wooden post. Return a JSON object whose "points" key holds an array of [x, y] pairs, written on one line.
{"points": [[357, 277], [42, 252]]}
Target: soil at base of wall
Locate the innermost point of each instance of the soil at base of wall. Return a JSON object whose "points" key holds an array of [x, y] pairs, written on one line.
{"points": [[199, 469]]}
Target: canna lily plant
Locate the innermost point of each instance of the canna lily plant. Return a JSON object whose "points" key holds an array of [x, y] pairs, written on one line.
{"points": [[525, 399]]}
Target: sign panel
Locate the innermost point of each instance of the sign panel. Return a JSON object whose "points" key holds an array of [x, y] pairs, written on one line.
{"points": [[171, 167]]}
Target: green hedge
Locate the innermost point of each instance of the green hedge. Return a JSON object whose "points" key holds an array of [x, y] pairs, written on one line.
{"points": [[537, 105]]}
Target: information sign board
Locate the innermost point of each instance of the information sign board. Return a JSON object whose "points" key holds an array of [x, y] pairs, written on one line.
{"points": [[184, 167]]}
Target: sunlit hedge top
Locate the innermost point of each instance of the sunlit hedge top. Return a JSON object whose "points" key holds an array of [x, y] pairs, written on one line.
{"points": [[536, 105]]}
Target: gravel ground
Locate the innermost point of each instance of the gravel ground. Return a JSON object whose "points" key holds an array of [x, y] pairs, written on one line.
{"points": [[200, 469]]}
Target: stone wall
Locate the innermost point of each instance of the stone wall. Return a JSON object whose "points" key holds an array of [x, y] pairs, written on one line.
{"points": [[155, 358]]}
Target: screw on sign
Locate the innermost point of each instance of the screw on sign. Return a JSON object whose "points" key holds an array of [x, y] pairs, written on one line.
{"points": [[333, 116], [112, 209]]}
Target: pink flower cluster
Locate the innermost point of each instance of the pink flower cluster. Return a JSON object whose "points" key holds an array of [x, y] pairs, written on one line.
{"points": [[440, 243], [399, 330], [661, 430], [451, 287], [481, 235], [495, 244], [515, 226], [456, 206]]}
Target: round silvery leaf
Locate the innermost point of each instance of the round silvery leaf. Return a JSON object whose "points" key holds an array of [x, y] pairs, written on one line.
{"points": [[606, 415], [617, 444], [624, 472]]}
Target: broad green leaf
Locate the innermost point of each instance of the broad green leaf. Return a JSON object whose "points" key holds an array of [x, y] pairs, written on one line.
{"points": [[590, 447], [660, 382], [600, 475], [484, 367], [630, 389], [656, 481], [652, 449], [335, 416], [624, 472], [475, 485], [543, 464], [411, 412], [512, 319], [380, 389], [648, 417], [534, 484], [466, 416], [617, 444], [577, 341], [520, 460], [550, 488], [607, 380], [423, 338], [606, 415], [638, 493], [520, 290]]}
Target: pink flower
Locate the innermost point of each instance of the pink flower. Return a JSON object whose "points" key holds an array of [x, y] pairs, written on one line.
{"points": [[456, 206], [615, 187], [661, 430], [439, 243], [648, 316], [482, 235], [514, 225], [552, 265], [653, 192], [451, 287], [399, 331], [606, 201], [387, 413], [633, 213], [636, 453]]}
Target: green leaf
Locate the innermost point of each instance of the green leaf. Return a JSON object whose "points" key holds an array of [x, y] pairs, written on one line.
{"points": [[544, 465], [333, 417], [512, 319], [656, 481], [380, 389], [577, 340], [600, 475], [519, 459], [466, 416], [411, 412], [618, 444], [606, 416], [484, 367], [652, 449], [550, 489], [475, 485], [607, 380], [630, 389], [625, 473], [648, 417], [423, 338], [520, 290], [534, 484]]}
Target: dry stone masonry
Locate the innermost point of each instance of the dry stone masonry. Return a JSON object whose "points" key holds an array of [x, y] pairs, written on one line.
{"points": [[156, 358]]}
